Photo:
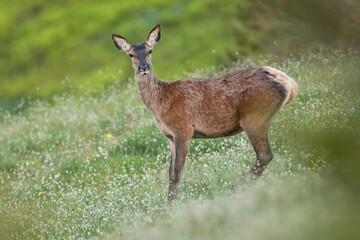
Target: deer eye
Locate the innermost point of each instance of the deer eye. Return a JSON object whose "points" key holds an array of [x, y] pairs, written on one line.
{"points": [[131, 55], [150, 51]]}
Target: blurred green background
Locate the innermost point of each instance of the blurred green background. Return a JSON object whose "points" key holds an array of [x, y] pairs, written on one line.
{"points": [[45, 44]]}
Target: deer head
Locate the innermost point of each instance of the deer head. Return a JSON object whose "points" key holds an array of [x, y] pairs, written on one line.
{"points": [[140, 54]]}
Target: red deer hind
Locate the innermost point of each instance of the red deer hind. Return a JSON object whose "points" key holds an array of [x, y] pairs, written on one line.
{"points": [[221, 106]]}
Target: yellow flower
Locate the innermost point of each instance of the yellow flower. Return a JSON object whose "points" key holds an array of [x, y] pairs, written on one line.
{"points": [[94, 159], [40, 192], [108, 135], [335, 69], [229, 183], [324, 162], [313, 168], [39, 198], [88, 163], [140, 106]]}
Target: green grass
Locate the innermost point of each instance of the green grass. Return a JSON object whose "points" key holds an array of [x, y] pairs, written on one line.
{"points": [[63, 176]]}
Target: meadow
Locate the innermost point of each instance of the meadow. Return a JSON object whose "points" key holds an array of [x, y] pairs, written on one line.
{"points": [[93, 164]]}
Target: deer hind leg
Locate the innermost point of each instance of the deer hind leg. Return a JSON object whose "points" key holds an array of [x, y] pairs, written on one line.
{"points": [[257, 133], [179, 151]]}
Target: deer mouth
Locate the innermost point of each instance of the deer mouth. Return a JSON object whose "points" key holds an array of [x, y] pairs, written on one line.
{"points": [[144, 72]]}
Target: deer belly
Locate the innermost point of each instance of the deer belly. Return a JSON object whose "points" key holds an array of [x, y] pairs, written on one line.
{"points": [[216, 134], [220, 127]]}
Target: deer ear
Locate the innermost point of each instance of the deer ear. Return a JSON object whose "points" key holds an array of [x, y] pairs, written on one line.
{"points": [[154, 36], [121, 43]]}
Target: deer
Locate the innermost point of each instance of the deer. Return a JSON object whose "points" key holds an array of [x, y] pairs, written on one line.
{"points": [[220, 106]]}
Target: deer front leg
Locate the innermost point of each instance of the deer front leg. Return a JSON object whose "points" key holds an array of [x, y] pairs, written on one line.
{"points": [[172, 162], [179, 150]]}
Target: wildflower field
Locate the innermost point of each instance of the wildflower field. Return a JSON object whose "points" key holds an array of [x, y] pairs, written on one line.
{"points": [[92, 164]]}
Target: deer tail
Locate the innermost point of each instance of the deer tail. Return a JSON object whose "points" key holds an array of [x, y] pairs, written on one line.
{"points": [[289, 84]]}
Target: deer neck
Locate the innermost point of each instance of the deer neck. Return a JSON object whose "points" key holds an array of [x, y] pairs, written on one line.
{"points": [[150, 89]]}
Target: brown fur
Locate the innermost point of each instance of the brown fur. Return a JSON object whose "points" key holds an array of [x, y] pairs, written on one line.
{"points": [[222, 106]]}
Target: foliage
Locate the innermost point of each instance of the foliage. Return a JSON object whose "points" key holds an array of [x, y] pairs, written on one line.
{"points": [[44, 43], [94, 165], [283, 27]]}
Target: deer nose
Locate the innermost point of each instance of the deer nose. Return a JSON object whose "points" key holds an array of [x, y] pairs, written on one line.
{"points": [[144, 67]]}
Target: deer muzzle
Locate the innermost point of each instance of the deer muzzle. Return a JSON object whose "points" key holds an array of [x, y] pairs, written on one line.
{"points": [[144, 68]]}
